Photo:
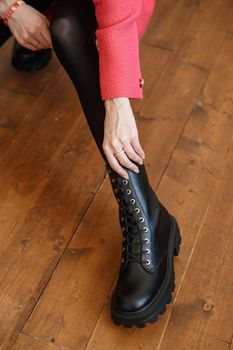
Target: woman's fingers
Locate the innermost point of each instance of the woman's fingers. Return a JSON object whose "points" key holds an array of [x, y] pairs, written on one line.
{"points": [[48, 39], [29, 47], [35, 43], [132, 154], [114, 163], [38, 34], [45, 37], [27, 44], [124, 160], [32, 41], [120, 132], [137, 147]]}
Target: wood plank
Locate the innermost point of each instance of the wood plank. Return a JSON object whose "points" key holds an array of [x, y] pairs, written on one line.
{"points": [[153, 61], [204, 305], [26, 342], [189, 178], [218, 93], [25, 100], [187, 183], [208, 343], [206, 32], [36, 150], [199, 27], [169, 22], [24, 86], [33, 249], [88, 265], [186, 189], [43, 173], [164, 116]]}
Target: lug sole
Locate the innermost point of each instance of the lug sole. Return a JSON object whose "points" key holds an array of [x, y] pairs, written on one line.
{"points": [[150, 313]]}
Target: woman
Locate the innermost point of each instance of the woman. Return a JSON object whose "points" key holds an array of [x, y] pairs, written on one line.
{"points": [[97, 43]]}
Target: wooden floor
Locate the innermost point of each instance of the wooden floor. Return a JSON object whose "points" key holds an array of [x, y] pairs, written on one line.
{"points": [[60, 241]]}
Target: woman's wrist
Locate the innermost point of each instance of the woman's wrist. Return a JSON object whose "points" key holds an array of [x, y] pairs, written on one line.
{"points": [[117, 102], [5, 5]]}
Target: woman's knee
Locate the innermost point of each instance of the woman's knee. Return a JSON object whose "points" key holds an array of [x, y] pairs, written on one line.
{"points": [[60, 29], [74, 23], [68, 33]]}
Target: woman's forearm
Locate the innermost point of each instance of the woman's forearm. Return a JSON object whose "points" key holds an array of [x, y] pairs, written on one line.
{"points": [[5, 5], [29, 26], [118, 101]]}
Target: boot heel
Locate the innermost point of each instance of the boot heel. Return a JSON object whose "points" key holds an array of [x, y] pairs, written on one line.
{"points": [[177, 241]]}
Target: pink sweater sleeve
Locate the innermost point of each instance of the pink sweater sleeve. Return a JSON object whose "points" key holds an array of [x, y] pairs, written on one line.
{"points": [[121, 24]]}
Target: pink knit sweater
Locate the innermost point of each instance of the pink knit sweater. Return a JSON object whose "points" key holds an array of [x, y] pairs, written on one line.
{"points": [[121, 25]]}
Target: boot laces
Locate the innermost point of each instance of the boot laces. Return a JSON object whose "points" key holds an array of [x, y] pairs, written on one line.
{"points": [[132, 247]]}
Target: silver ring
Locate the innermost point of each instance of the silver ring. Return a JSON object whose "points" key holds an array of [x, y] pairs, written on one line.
{"points": [[116, 155]]}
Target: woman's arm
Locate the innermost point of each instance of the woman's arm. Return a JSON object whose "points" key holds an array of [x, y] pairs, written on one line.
{"points": [[28, 26], [120, 79], [118, 43], [4, 5]]}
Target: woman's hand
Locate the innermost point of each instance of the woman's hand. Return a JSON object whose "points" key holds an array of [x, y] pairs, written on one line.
{"points": [[30, 28], [120, 132]]}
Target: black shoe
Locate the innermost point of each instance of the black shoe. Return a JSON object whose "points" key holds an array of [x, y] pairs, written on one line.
{"points": [[27, 60], [151, 238]]}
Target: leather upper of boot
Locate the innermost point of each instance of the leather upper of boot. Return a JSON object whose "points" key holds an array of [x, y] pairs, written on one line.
{"points": [[144, 252]]}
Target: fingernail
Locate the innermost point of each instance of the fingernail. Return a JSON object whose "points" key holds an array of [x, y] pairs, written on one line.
{"points": [[136, 170]]}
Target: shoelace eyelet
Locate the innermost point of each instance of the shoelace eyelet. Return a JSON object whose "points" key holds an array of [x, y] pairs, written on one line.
{"points": [[127, 191]]}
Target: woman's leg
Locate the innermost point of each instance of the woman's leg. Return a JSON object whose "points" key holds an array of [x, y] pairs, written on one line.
{"points": [[72, 29], [151, 235]]}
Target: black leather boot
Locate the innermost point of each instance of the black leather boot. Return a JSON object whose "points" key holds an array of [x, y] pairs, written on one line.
{"points": [[151, 238], [27, 60]]}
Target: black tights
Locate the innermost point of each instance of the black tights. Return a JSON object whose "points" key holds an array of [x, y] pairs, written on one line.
{"points": [[72, 29]]}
